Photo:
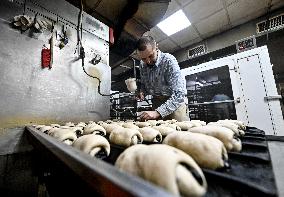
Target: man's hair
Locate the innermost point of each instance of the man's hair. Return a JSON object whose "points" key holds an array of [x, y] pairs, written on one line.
{"points": [[144, 41]]}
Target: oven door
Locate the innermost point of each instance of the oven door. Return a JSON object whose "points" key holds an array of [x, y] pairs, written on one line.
{"points": [[210, 95]]}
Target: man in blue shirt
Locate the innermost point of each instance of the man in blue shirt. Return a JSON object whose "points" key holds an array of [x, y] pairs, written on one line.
{"points": [[161, 77]]}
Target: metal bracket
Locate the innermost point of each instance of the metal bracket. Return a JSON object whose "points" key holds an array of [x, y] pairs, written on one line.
{"points": [[237, 100], [276, 97], [234, 68]]}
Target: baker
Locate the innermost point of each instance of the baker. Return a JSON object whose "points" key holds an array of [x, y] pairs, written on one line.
{"points": [[161, 77]]}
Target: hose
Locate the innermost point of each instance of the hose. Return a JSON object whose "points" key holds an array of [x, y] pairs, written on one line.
{"points": [[81, 48]]}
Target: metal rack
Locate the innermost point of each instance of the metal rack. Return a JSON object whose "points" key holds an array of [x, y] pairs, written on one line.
{"points": [[204, 92], [125, 106], [212, 111]]}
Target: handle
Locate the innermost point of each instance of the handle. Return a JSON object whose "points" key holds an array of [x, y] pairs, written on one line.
{"points": [[276, 97], [216, 102]]}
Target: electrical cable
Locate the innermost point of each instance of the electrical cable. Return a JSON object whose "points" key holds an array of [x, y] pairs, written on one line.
{"points": [[83, 66], [81, 48]]}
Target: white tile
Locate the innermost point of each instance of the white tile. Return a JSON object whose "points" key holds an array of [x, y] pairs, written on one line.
{"points": [[148, 14], [173, 7], [184, 2], [214, 23], [172, 50], [245, 8], [191, 42], [200, 9], [157, 34], [251, 16], [184, 35], [166, 45], [210, 34], [134, 28]]}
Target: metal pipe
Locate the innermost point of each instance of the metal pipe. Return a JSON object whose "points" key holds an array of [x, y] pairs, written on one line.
{"points": [[134, 67]]}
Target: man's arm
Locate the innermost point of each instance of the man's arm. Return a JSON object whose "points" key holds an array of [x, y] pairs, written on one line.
{"points": [[149, 115], [177, 86], [141, 93]]}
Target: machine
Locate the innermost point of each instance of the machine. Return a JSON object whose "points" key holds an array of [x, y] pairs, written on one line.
{"points": [[245, 86]]}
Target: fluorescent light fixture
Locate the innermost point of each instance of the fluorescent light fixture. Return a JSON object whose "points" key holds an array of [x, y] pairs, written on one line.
{"points": [[174, 23]]}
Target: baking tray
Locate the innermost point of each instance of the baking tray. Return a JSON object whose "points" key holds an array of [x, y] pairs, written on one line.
{"points": [[65, 171], [250, 172]]}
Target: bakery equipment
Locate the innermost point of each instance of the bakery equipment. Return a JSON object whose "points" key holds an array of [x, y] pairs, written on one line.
{"points": [[247, 80]]}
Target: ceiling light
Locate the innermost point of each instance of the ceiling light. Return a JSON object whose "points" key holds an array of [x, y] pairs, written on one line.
{"points": [[174, 23]]}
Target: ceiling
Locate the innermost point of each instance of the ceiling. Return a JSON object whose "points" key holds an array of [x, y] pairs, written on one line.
{"points": [[208, 18], [132, 18]]}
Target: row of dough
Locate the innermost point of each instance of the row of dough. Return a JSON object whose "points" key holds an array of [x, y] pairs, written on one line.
{"points": [[165, 166], [184, 177], [94, 144], [179, 174], [168, 166], [127, 134], [226, 131], [209, 151]]}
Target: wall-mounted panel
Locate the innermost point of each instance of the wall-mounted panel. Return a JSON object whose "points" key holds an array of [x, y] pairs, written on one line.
{"points": [[31, 94]]}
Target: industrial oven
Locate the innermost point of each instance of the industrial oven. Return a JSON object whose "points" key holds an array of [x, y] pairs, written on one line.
{"points": [[240, 86]]}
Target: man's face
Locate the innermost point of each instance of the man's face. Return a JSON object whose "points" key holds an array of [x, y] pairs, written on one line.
{"points": [[149, 55]]}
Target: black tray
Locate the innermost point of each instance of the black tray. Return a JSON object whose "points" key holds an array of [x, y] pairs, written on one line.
{"points": [[250, 172]]}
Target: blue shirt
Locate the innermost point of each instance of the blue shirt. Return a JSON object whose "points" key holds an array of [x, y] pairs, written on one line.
{"points": [[164, 79]]}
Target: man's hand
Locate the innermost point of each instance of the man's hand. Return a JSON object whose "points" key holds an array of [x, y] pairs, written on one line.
{"points": [[140, 96], [149, 115]]}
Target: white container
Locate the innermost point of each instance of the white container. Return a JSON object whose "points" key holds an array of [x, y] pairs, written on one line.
{"points": [[131, 84]]}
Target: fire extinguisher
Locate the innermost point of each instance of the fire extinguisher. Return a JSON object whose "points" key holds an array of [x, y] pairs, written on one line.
{"points": [[45, 57]]}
